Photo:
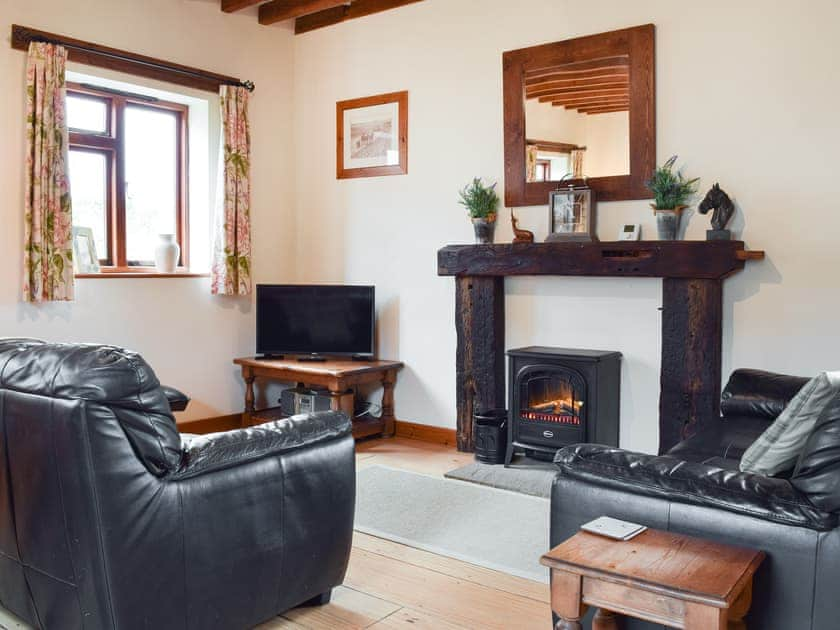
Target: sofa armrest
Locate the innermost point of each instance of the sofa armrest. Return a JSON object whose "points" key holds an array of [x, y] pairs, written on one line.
{"points": [[676, 480], [177, 399], [216, 451]]}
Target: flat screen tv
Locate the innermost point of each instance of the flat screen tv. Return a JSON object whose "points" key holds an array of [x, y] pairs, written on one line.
{"points": [[315, 320]]}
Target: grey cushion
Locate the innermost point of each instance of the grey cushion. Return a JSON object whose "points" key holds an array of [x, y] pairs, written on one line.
{"points": [[777, 449]]}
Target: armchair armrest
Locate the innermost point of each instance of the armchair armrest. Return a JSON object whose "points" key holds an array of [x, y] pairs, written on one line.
{"points": [[177, 399], [215, 451], [676, 480]]}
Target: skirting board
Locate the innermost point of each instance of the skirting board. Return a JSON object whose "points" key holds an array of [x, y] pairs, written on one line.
{"points": [[212, 425], [425, 433], [410, 430]]}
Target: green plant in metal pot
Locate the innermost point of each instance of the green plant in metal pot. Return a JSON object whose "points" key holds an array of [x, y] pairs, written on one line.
{"points": [[671, 193], [481, 202]]}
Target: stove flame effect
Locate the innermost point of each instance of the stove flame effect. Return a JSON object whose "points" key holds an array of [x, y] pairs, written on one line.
{"points": [[552, 400]]}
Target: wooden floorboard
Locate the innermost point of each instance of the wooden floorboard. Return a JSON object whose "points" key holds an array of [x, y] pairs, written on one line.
{"points": [[390, 586]]}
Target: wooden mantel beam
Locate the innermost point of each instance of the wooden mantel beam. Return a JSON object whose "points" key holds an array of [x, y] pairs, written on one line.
{"points": [[359, 8], [229, 6], [279, 10]]}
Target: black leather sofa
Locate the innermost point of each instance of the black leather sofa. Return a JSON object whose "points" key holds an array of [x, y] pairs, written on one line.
{"points": [[696, 489], [109, 518]]}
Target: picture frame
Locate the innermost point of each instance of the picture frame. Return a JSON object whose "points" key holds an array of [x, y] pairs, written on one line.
{"points": [[571, 214], [372, 136], [85, 259]]}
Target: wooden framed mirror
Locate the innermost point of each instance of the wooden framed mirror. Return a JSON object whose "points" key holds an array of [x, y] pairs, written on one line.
{"points": [[581, 111]]}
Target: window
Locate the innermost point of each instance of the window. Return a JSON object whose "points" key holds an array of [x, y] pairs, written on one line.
{"points": [[128, 169]]}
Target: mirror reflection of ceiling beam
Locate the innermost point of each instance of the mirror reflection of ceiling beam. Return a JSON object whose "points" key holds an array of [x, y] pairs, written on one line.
{"points": [[604, 110], [588, 75], [590, 64], [615, 98], [562, 96], [554, 88]]}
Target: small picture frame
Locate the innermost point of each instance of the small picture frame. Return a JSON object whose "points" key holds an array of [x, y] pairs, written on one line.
{"points": [[372, 136], [85, 259], [571, 214]]}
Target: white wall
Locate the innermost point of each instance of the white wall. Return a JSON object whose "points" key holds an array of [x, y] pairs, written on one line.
{"points": [[188, 336], [544, 121], [747, 94], [607, 144]]}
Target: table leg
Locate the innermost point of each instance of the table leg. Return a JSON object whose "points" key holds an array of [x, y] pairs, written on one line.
{"points": [[388, 418], [605, 620], [701, 617], [565, 600], [250, 398]]}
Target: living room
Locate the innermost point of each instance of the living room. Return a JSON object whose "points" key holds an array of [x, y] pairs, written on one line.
{"points": [[732, 89]]}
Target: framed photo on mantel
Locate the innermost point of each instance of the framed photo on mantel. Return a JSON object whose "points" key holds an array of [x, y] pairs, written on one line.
{"points": [[372, 136]]}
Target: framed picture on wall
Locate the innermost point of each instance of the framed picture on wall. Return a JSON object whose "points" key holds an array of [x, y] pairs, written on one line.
{"points": [[372, 136]]}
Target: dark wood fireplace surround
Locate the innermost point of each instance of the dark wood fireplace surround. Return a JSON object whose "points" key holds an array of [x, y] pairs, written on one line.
{"points": [[692, 310]]}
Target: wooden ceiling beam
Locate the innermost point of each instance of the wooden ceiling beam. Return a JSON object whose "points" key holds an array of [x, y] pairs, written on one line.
{"points": [[279, 10], [590, 76], [591, 99], [587, 107], [578, 86], [621, 61], [604, 110], [229, 6], [359, 8], [554, 96]]}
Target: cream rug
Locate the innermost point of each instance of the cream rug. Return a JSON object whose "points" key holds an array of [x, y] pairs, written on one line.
{"points": [[497, 529]]}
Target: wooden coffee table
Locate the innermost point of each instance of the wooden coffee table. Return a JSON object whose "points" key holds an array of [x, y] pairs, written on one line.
{"points": [[671, 579]]}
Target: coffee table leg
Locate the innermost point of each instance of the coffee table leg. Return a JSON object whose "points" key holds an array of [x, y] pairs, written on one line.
{"points": [[605, 620], [565, 600]]}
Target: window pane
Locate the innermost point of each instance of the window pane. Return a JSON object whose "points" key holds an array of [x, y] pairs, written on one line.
{"points": [[87, 114], [89, 194], [151, 173]]}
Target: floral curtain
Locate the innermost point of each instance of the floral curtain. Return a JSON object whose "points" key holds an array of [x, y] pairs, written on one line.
{"points": [[231, 273], [577, 163], [48, 222]]}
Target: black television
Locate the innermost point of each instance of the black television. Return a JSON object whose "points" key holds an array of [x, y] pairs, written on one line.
{"points": [[315, 320]]}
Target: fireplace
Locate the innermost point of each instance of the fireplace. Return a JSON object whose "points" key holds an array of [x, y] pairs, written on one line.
{"points": [[560, 396]]}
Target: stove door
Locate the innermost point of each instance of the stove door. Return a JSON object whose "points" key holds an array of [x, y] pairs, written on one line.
{"points": [[549, 406]]}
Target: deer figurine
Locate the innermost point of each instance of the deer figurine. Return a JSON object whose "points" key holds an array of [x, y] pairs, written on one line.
{"points": [[520, 235]]}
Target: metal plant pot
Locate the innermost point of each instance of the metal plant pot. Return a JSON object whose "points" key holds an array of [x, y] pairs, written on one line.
{"points": [[485, 229], [668, 222]]}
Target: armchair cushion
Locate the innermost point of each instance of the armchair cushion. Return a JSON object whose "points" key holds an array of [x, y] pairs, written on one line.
{"points": [[667, 477], [216, 451], [777, 449], [758, 393], [817, 472], [117, 382]]}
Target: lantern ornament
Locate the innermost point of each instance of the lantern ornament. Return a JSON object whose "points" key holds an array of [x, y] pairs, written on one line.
{"points": [[571, 212]]}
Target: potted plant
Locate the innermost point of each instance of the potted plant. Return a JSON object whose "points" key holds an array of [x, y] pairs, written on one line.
{"points": [[481, 203], [671, 194]]}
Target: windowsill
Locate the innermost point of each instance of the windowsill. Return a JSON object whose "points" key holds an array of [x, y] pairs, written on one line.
{"points": [[141, 272]]}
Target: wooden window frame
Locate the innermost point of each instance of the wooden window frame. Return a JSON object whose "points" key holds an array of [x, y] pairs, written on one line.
{"points": [[112, 144]]}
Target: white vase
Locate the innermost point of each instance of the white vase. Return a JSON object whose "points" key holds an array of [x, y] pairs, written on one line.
{"points": [[167, 253]]}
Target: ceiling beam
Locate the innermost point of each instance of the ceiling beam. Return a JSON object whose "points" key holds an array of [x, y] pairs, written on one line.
{"points": [[604, 110], [359, 8], [555, 96], [279, 10], [576, 86], [590, 64], [590, 75], [591, 99], [229, 6], [586, 107]]}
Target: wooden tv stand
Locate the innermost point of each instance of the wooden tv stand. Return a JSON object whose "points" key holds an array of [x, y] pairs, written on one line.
{"points": [[339, 376]]}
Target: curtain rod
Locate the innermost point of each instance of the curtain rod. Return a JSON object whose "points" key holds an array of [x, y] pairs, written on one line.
{"points": [[21, 36]]}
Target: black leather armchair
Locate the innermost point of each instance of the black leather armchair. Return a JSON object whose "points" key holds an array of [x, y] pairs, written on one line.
{"points": [[109, 518], [697, 489]]}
